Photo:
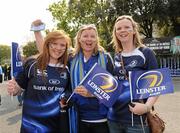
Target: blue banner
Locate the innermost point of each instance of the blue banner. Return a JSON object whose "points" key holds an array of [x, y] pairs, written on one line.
{"points": [[144, 84], [16, 59], [102, 85]]}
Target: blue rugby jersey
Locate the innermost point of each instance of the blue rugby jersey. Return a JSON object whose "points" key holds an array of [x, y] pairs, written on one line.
{"points": [[89, 107], [140, 59], [41, 109]]}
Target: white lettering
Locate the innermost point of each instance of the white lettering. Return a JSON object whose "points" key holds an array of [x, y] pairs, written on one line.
{"points": [[39, 87], [150, 90], [49, 88], [18, 64], [99, 92]]}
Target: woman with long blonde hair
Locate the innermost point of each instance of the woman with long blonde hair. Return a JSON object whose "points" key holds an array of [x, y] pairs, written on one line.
{"points": [[92, 114], [128, 116]]}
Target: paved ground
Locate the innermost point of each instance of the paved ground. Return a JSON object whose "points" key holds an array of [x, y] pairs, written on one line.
{"points": [[168, 107]]}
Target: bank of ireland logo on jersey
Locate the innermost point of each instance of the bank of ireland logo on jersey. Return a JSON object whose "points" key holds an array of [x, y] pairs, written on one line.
{"points": [[102, 85], [151, 83]]}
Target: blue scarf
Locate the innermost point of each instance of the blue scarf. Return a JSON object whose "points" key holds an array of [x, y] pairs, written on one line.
{"points": [[77, 74]]}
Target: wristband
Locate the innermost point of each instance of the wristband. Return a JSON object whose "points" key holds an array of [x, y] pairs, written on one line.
{"points": [[37, 28]]}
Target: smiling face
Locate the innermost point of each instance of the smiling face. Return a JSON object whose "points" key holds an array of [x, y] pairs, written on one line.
{"points": [[124, 31], [56, 49], [88, 40]]}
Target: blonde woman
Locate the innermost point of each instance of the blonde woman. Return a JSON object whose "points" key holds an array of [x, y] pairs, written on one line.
{"points": [[44, 80], [131, 55], [92, 115]]}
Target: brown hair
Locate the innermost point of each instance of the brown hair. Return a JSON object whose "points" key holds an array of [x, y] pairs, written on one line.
{"points": [[78, 35], [44, 57], [136, 40]]}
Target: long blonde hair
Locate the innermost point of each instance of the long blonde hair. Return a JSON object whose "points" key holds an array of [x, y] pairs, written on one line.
{"points": [[136, 40], [44, 57], [78, 35]]}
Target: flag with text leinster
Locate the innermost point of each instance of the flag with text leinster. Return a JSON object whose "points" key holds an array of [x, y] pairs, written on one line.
{"points": [[155, 82], [102, 85], [16, 59]]}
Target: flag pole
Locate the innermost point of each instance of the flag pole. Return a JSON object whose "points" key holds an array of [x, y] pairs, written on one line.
{"points": [[81, 81], [130, 87], [11, 67]]}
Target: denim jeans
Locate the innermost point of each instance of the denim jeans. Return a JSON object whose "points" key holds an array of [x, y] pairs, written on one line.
{"points": [[116, 127], [20, 98]]}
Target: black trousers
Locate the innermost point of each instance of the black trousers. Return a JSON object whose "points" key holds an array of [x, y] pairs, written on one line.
{"points": [[1, 78], [86, 127]]}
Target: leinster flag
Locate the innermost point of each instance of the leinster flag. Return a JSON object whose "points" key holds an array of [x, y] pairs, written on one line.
{"points": [[144, 84], [102, 85], [16, 61]]}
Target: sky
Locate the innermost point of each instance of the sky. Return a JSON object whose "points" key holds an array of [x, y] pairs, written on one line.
{"points": [[16, 17]]}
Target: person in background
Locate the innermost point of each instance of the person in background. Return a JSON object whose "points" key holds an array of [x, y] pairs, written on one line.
{"points": [[1, 79], [44, 79], [9, 72], [1, 74], [130, 55], [20, 98], [5, 72]]}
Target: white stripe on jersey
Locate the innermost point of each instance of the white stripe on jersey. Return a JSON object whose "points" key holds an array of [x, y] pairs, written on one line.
{"points": [[135, 52], [30, 69]]}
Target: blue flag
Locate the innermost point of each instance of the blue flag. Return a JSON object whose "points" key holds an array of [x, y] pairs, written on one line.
{"points": [[102, 85], [16, 60], [144, 84]]}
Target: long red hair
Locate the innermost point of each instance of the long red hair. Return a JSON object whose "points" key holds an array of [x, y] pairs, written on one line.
{"points": [[44, 57]]}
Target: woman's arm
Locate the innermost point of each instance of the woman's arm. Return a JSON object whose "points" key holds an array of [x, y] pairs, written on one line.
{"points": [[39, 40], [38, 36], [142, 108]]}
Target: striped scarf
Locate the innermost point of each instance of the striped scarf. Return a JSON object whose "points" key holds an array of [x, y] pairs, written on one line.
{"points": [[77, 74]]}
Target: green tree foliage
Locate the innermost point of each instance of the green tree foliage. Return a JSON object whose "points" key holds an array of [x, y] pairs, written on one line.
{"points": [[5, 54], [170, 24], [61, 12], [72, 15], [145, 12], [30, 49], [174, 15], [151, 15]]}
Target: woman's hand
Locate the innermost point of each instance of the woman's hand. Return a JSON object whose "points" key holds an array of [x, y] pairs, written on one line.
{"points": [[81, 90], [37, 22], [63, 103], [139, 108], [13, 88]]}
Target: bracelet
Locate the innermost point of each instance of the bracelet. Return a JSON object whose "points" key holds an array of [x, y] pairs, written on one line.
{"points": [[38, 27]]}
